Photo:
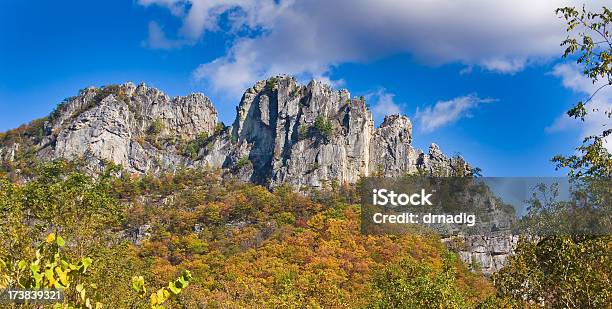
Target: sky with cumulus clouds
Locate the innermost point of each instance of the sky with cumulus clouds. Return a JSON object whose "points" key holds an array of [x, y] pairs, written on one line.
{"points": [[481, 78]]}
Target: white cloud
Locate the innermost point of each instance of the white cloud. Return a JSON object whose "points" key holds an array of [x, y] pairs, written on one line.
{"points": [[596, 121], [175, 7], [310, 37], [573, 78], [158, 40], [382, 104], [199, 16], [446, 112], [507, 66]]}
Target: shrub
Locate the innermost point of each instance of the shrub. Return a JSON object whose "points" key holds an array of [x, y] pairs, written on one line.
{"points": [[48, 268], [242, 162], [410, 284], [102, 93], [284, 218], [164, 294], [219, 128], [303, 132], [193, 147], [156, 127], [324, 127], [271, 83]]}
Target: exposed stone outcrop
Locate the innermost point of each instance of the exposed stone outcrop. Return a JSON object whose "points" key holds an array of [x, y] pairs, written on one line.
{"points": [[310, 135], [8, 153], [303, 135], [135, 126], [484, 253]]}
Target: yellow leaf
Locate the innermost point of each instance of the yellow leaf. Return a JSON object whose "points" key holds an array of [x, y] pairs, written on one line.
{"points": [[153, 299], [63, 275], [51, 237], [161, 296], [50, 277]]}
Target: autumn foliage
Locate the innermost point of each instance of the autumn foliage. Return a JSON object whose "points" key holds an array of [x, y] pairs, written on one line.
{"points": [[243, 245]]}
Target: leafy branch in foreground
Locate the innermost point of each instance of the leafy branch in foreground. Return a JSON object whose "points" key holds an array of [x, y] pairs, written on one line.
{"points": [[593, 47], [164, 294], [49, 269]]}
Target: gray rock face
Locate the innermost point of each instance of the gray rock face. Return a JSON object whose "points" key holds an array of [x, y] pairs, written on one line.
{"points": [[8, 153], [311, 135], [391, 150], [485, 253], [134, 126], [303, 135]]}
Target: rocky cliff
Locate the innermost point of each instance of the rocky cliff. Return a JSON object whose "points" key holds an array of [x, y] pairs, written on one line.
{"points": [[284, 132], [487, 254]]}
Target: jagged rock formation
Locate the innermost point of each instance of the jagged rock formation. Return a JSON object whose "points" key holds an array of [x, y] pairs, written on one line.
{"points": [[309, 135], [303, 135], [113, 124]]}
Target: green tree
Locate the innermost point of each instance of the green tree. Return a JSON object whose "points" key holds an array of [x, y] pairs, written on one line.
{"points": [[242, 162], [57, 197], [409, 284], [559, 272], [192, 148], [563, 266], [589, 42]]}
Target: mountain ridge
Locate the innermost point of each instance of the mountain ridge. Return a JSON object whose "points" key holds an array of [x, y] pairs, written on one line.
{"points": [[283, 132]]}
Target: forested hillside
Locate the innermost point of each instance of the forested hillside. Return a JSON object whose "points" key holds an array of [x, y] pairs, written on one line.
{"points": [[243, 245]]}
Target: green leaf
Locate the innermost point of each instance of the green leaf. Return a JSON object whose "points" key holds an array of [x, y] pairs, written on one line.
{"points": [[21, 265], [37, 279], [175, 290], [187, 275], [86, 262], [60, 241], [138, 285]]}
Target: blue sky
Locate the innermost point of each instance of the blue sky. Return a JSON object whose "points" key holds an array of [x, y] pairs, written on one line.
{"points": [[480, 78]]}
